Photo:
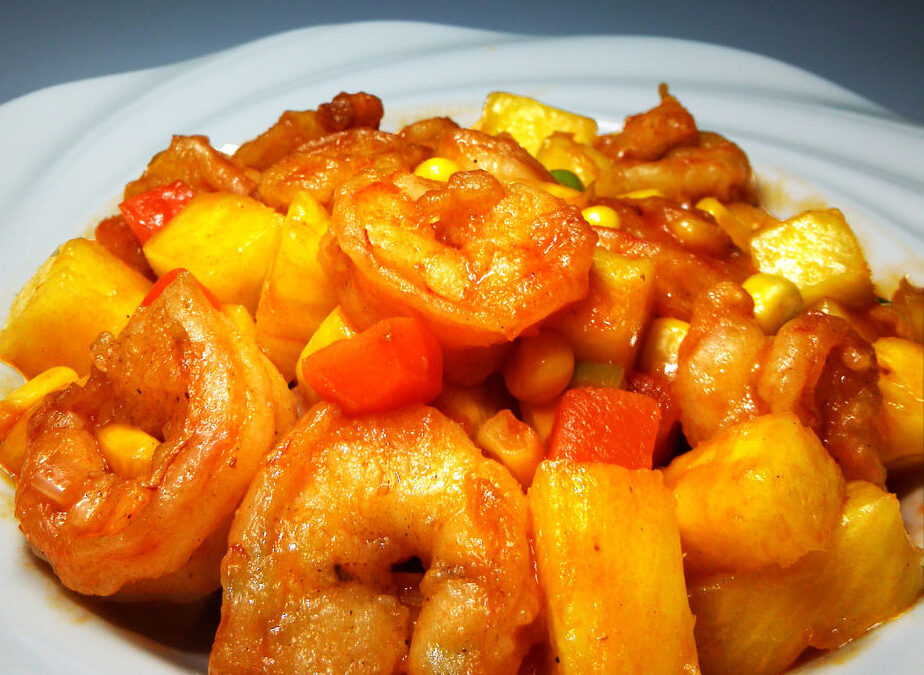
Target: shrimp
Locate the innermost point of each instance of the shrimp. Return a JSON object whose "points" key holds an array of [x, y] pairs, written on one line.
{"points": [[816, 366], [195, 162], [500, 155], [293, 129], [683, 269], [662, 149], [312, 577], [821, 369], [320, 166], [479, 261], [181, 372]]}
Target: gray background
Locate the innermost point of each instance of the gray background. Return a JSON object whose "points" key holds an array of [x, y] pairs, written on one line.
{"points": [[873, 48]]}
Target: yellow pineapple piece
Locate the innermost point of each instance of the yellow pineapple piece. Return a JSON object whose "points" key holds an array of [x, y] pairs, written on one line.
{"points": [[759, 622], [764, 492], [820, 254], [901, 381], [608, 556], [296, 294], [78, 293], [607, 324], [127, 450], [226, 240], [530, 122], [513, 443]]}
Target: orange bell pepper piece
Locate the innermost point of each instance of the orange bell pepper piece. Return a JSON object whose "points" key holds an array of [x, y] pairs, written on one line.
{"points": [[149, 211], [602, 424], [395, 362]]}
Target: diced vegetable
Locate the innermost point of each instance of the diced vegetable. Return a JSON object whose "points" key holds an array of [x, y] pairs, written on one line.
{"points": [[436, 168], [530, 122], [81, 291], [607, 325], [601, 216], [819, 253], [560, 151], [662, 344], [227, 241], [597, 374], [600, 424], [148, 212], [395, 362], [297, 293], [127, 450], [513, 443], [334, 327], [759, 622], [568, 179], [540, 416], [158, 288], [901, 381], [764, 492], [608, 556], [776, 300], [540, 367]]}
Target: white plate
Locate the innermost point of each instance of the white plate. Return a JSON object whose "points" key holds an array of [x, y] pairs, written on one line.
{"points": [[70, 149]]}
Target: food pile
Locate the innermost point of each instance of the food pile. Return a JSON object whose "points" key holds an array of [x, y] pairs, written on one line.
{"points": [[517, 398]]}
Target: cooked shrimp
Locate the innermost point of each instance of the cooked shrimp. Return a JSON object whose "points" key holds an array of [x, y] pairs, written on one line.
{"points": [[821, 369], [182, 373], [293, 129], [310, 581], [320, 166], [816, 366], [649, 135], [716, 385], [480, 262], [500, 155], [195, 162]]}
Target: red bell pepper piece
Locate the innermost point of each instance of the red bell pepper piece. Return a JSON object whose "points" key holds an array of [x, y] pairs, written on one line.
{"points": [[149, 211], [167, 279], [395, 362], [602, 424]]}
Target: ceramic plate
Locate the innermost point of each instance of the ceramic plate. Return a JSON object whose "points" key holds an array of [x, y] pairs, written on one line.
{"points": [[70, 149]]}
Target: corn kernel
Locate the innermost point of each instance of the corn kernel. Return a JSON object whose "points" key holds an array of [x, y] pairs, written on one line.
{"points": [[127, 449], [641, 194], [436, 168], [334, 327], [776, 300], [659, 353], [700, 234], [601, 216], [540, 367], [39, 386], [597, 374], [513, 443]]}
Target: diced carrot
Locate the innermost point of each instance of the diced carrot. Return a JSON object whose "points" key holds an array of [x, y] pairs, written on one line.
{"points": [[395, 362], [148, 212], [601, 424], [167, 279]]}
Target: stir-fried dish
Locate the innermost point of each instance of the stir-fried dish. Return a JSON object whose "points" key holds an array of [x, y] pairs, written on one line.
{"points": [[518, 398]]}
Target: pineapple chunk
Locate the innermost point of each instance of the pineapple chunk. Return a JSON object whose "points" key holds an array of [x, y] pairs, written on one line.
{"points": [[225, 240], [540, 416], [818, 252], [127, 450], [78, 293], [513, 443], [530, 122], [901, 381], [764, 492], [297, 293], [560, 151], [607, 324], [609, 560], [759, 622]]}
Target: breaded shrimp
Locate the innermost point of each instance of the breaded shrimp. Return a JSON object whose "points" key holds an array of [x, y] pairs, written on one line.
{"points": [[500, 155], [479, 261], [183, 373], [310, 581], [816, 366], [320, 166]]}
